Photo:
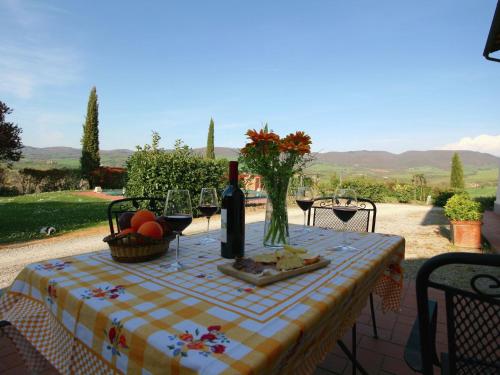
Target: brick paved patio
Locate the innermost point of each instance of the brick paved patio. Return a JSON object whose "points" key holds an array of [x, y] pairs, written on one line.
{"points": [[382, 356]]}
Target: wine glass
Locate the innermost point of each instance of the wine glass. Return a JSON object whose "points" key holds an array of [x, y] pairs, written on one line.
{"points": [[304, 197], [345, 206], [178, 214], [209, 204]]}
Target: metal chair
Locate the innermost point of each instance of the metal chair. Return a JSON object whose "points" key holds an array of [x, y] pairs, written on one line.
{"points": [[472, 317], [321, 215]]}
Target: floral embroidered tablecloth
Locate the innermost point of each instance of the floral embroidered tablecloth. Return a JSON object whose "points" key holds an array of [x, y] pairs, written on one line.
{"points": [[88, 314]]}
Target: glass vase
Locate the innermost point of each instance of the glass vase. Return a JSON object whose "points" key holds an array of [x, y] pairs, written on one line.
{"points": [[276, 233]]}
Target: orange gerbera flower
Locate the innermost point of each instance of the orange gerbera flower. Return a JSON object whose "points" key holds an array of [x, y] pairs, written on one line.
{"points": [[262, 135], [298, 142]]}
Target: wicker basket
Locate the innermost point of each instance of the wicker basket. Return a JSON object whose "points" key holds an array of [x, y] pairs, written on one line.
{"points": [[135, 248]]}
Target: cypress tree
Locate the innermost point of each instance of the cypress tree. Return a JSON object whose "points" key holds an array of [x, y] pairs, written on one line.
{"points": [[457, 173], [90, 159], [210, 152]]}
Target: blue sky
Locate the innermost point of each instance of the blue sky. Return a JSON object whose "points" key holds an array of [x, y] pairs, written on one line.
{"points": [[377, 75]]}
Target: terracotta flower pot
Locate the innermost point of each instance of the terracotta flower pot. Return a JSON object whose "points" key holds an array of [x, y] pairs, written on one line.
{"points": [[466, 234]]}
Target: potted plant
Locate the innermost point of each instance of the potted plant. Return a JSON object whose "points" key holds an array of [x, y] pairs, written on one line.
{"points": [[465, 216]]}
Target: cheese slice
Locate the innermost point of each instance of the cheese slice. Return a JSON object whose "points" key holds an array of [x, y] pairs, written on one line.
{"points": [[289, 262], [266, 258]]}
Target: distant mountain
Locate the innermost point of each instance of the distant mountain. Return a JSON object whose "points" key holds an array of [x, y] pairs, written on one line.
{"points": [[440, 159], [362, 160]]}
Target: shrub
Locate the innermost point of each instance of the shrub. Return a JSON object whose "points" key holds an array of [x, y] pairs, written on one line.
{"points": [[152, 172], [4, 189], [486, 203], [37, 180], [109, 177], [461, 208], [440, 197], [391, 199], [365, 188], [404, 192], [7, 189]]}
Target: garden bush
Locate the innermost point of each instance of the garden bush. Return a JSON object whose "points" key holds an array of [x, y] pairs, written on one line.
{"points": [[109, 177], [440, 196], [486, 203], [153, 171], [365, 188], [461, 207], [404, 193], [6, 191], [38, 181]]}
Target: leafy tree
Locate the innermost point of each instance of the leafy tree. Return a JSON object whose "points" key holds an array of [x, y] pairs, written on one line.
{"points": [[457, 173], [10, 138], [90, 159], [210, 153], [420, 182]]}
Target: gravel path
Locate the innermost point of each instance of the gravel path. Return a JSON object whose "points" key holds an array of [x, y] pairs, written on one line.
{"points": [[422, 226]]}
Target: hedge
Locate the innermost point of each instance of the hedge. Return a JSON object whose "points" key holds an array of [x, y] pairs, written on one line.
{"points": [[365, 188], [37, 180], [109, 177], [440, 196], [152, 172]]}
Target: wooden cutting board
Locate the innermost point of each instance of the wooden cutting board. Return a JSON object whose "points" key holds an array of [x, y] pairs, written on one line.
{"points": [[257, 280]]}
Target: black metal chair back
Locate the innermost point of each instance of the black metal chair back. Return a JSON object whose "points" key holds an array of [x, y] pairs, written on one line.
{"points": [[321, 215], [116, 208], [472, 316]]}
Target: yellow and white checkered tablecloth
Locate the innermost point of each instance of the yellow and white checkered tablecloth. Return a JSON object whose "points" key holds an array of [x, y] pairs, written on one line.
{"points": [[90, 315]]}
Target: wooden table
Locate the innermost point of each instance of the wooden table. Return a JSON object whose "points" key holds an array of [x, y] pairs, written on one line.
{"points": [[89, 314]]}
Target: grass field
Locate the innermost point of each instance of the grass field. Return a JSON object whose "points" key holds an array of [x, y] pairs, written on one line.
{"points": [[22, 217], [485, 191], [434, 176]]}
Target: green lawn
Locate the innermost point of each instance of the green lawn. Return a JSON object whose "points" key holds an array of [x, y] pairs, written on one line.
{"points": [[22, 217], [485, 191]]}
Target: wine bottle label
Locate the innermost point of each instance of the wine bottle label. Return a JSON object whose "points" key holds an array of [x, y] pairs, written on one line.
{"points": [[223, 225]]}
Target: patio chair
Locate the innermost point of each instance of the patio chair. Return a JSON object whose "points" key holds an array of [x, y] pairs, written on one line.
{"points": [[321, 215], [472, 319]]}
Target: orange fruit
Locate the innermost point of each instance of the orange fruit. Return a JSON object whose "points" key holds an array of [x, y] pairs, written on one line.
{"points": [[141, 217], [151, 229], [125, 232]]}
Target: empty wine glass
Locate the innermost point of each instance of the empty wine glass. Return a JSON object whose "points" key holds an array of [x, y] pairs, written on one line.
{"points": [[304, 197], [179, 214], [209, 204], [345, 206]]}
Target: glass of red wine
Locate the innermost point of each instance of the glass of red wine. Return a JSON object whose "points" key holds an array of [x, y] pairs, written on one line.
{"points": [[304, 197], [178, 214], [345, 206], [209, 204]]}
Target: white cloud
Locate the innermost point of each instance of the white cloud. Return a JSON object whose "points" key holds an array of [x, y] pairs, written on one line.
{"points": [[482, 143]]}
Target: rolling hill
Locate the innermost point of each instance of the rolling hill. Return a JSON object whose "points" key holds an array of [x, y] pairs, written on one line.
{"points": [[435, 164], [440, 159]]}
